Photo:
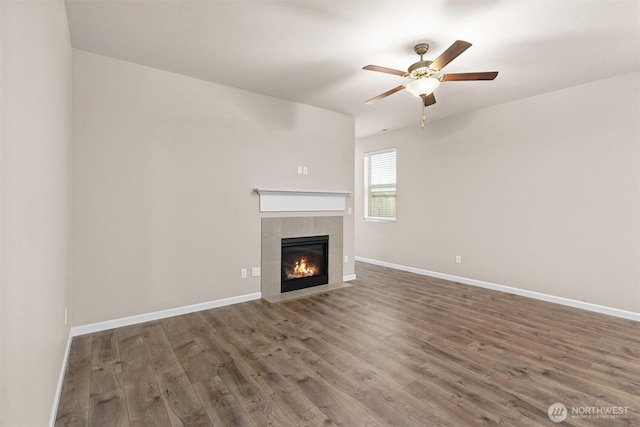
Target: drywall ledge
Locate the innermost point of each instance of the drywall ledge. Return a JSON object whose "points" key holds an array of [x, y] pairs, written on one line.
{"points": [[282, 200]]}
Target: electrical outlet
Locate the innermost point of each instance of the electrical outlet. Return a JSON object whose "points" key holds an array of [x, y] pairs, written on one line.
{"points": [[255, 271], [346, 259], [349, 211], [243, 273], [458, 259]]}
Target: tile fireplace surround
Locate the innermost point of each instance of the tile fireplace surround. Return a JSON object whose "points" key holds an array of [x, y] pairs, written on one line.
{"points": [[275, 229]]}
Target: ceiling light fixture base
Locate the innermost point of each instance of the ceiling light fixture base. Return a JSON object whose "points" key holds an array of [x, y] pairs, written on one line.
{"points": [[421, 48]]}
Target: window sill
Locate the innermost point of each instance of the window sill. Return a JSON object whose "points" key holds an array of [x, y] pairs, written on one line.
{"points": [[380, 219]]}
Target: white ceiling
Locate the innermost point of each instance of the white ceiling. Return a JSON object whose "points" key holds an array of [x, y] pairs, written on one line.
{"points": [[312, 52]]}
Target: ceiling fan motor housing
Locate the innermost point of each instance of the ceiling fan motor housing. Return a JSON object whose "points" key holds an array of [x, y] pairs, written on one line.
{"points": [[420, 69]]}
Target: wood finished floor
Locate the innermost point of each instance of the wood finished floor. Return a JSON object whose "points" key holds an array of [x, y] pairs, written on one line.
{"points": [[394, 349]]}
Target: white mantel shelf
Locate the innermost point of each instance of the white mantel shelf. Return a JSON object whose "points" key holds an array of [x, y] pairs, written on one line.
{"points": [[286, 200]]}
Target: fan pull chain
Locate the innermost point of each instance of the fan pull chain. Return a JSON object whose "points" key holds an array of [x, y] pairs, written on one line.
{"points": [[423, 117]]}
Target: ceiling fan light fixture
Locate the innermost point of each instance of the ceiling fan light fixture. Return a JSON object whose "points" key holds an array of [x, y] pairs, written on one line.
{"points": [[423, 86]]}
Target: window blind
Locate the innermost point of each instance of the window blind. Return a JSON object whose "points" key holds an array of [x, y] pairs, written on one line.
{"points": [[380, 184]]}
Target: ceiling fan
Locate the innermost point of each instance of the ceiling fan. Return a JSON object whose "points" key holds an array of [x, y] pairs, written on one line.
{"points": [[425, 75]]}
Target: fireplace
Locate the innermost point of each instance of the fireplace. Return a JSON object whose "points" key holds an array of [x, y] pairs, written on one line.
{"points": [[304, 262], [274, 229]]}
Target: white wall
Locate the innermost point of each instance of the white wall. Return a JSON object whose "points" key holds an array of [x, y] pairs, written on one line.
{"points": [[163, 172], [541, 194], [35, 179]]}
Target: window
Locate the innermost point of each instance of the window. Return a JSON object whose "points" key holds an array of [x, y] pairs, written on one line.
{"points": [[380, 185]]}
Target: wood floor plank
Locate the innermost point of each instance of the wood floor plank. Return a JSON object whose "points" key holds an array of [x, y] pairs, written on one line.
{"points": [[107, 403], [251, 397], [340, 409], [107, 398], [182, 404], [393, 349], [144, 398], [222, 407], [296, 405]]}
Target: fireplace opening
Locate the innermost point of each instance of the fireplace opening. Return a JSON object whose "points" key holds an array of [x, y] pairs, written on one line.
{"points": [[304, 262]]}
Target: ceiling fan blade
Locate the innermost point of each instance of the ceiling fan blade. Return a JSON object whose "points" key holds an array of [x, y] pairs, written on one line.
{"points": [[385, 70], [384, 95], [460, 77], [428, 99], [450, 54]]}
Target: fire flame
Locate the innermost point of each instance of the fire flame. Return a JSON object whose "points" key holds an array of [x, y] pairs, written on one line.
{"points": [[301, 269]]}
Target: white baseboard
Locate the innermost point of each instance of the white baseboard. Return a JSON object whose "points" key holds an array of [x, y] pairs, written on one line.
{"points": [[502, 288], [63, 370], [348, 277], [156, 315]]}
